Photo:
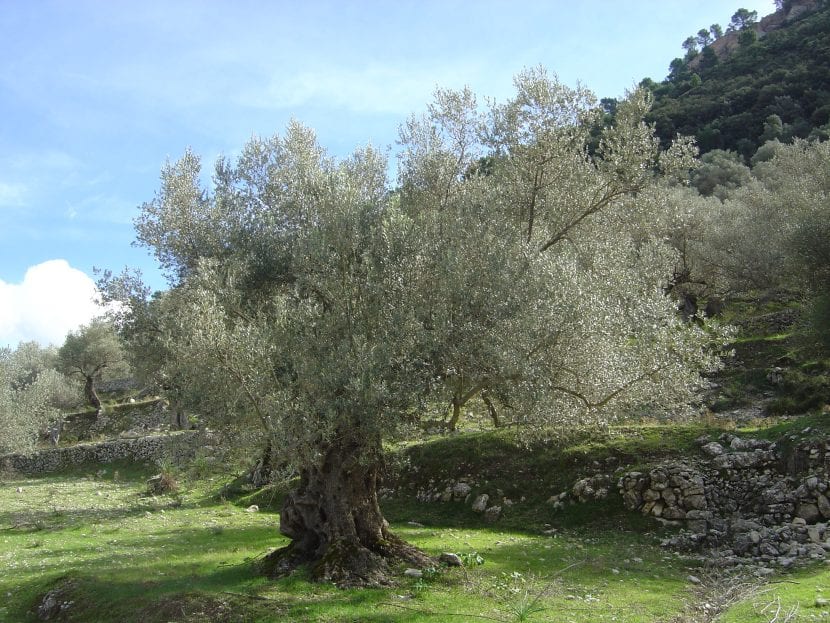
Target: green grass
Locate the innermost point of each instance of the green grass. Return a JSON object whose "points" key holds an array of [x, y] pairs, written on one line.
{"points": [[119, 554], [795, 595], [118, 546]]}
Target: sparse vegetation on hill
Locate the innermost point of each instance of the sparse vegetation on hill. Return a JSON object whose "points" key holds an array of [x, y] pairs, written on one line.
{"points": [[776, 86]]}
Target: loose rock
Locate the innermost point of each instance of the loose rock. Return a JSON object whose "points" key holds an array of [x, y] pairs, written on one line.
{"points": [[492, 513], [480, 503], [450, 559]]}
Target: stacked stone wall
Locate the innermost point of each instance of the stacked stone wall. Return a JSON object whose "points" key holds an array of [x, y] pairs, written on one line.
{"points": [[176, 447], [743, 498]]}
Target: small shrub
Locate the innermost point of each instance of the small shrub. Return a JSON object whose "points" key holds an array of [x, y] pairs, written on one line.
{"points": [[430, 573], [200, 466], [162, 483], [471, 559], [524, 607]]}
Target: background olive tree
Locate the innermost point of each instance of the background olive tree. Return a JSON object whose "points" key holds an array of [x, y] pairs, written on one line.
{"points": [[796, 183], [32, 394], [720, 173], [142, 321], [771, 233], [314, 304], [91, 352]]}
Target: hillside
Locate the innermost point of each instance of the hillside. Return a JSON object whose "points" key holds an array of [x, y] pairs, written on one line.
{"points": [[726, 93], [722, 518]]}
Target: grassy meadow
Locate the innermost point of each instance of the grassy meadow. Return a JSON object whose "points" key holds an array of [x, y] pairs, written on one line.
{"points": [[110, 551]]}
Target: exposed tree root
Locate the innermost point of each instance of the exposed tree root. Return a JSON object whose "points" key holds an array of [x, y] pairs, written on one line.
{"points": [[348, 564]]}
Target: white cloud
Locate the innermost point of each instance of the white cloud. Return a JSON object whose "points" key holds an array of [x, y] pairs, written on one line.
{"points": [[53, 299], [11, 195]]}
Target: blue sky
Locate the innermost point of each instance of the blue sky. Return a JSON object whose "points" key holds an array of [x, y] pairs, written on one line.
{"points": [[96, 95]]}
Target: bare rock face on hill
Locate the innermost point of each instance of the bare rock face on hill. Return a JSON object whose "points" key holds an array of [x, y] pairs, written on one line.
{"points": [[729, 41]]}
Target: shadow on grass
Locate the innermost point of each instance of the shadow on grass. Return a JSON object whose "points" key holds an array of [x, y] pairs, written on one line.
{"points": [[232, 594], [201, 574], [112, 579], [199, 607], [62, 516], [531, 517]]}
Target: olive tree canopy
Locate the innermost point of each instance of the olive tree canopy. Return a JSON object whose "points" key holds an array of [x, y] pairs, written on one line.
{"points": [[329, 311], [774, 233], [32, 392], [91, 352]]}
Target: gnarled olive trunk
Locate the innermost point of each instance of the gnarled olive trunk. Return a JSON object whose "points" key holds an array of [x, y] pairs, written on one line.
{"points": [[457, 403], [336, 524], [178, 418], [268, 466], [491, 409], [90, 394]]}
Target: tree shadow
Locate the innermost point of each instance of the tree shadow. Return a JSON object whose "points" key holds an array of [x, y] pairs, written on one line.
{"points": [[233, 594], [208, 573]]}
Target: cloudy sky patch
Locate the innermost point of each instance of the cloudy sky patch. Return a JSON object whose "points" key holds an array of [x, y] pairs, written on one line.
{"points": [[52, 299]]}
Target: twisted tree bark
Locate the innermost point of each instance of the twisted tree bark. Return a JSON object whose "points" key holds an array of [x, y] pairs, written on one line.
{"points": [[336, 524]]}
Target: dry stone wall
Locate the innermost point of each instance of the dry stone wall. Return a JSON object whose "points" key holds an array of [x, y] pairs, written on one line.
{"points": [[177, 447], [126, 420], [742, 498]]}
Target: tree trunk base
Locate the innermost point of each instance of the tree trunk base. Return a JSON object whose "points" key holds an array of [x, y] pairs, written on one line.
{"points": [[335, 523], [346, 563], [267, 468]]}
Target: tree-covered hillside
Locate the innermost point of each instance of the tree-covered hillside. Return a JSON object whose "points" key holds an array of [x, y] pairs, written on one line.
{"points": [[749, 86]]}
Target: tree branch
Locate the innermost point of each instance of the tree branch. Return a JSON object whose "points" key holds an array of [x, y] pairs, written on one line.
{"points": [[601, 403]]}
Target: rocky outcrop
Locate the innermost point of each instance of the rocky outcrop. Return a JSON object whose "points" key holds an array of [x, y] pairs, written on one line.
{"points": [[729, 41]]}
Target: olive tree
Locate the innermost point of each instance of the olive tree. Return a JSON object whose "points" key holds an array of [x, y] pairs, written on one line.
{"points": [[32, 393], [771, 233], [142, 321], [796, 183], [329, 312], [781, 233], [89, 353], [687, 221], [720, 173]]}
